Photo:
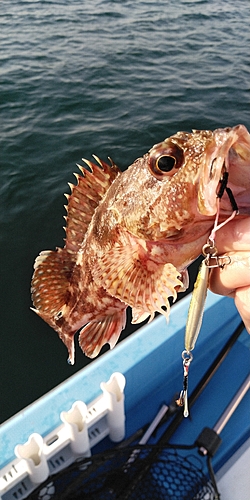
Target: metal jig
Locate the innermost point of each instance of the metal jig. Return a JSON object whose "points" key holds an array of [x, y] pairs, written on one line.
{"points": [[197, 303]]}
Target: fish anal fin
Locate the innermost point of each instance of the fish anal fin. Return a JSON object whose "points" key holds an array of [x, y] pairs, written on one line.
{"points": [[85, 197], [105, 331], [129, 272]]}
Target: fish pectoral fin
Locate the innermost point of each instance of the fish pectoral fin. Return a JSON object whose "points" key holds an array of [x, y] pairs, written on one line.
{"points": [[139, 315], [127, 271], [50, 284], [105, 331]]}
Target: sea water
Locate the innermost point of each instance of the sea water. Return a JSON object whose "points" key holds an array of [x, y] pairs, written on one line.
{"points": [[105, 77]]}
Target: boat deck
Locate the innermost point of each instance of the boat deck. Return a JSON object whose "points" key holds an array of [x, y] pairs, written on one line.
{"points": [[150, 360]]}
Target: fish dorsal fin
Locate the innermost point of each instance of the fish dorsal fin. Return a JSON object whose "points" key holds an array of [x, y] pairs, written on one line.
{"points": [[85, 197], [53, 269], [129, 272]]}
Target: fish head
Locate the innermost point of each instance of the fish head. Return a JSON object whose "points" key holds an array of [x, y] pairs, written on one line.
{"points": [[195, 164], [171, 193]]}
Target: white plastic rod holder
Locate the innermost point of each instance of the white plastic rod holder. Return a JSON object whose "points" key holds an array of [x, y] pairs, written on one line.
{"points": [[75, 422], [113, 391], [32, 453]]}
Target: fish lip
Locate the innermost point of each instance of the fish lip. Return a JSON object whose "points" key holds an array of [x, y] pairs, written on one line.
{"points": [[240, 149], [223, 141]]}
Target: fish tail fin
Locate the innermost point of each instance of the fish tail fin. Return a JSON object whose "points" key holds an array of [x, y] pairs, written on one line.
{"points": [[50, 281], [50, 293], [97, 333], [49, 290], [67, 339]]}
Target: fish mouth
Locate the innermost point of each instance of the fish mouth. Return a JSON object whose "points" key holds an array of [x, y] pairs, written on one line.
{"points": [[227, 160]]}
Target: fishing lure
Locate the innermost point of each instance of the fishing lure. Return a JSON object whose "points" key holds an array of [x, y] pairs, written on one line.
{"points": [[197, 303]]}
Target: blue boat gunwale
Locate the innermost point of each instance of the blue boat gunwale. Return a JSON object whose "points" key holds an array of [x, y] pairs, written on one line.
{"points": [[139, 358]]}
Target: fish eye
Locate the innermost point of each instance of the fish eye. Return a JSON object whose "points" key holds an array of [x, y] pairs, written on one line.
{"points": [[165, 158], [165, 163]]}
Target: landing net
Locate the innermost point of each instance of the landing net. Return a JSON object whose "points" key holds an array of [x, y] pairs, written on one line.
{"points": [[132, 473]]}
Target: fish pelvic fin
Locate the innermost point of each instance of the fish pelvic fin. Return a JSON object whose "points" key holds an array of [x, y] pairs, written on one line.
{"points": [[97, 333], [131, 273], [85, 197]]}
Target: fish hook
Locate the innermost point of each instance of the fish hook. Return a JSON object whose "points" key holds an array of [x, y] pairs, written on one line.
{"points": [[183, 398], [222, 189]]}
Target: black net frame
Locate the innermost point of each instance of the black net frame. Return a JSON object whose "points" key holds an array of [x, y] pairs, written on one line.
{"points": [[133, 473]]}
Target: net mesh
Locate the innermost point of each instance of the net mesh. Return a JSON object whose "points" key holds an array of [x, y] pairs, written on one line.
{"points": [[148, 472]]}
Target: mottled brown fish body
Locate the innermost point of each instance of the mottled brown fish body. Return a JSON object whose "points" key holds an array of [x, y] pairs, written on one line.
{"points": [[130, 236]]}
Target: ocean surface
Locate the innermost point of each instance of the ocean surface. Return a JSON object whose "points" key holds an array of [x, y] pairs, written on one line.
{"points": [[104, 77]]}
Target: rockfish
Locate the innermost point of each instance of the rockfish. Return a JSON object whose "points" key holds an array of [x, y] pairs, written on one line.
{"points": [[131, 236]]}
